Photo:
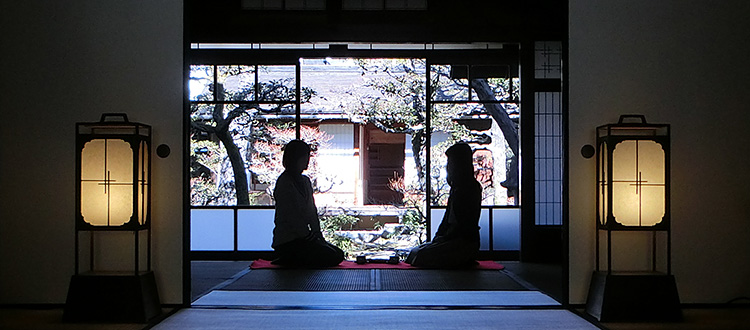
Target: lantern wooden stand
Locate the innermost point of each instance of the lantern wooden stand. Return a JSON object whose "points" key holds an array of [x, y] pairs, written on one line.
{"points": [[112, 195], [633, 187]]}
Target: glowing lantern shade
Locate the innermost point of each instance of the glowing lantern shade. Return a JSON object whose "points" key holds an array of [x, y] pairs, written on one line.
{"points": [[633, 174], [113, 174]]}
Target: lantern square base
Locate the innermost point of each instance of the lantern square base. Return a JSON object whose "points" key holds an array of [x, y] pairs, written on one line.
{"points": [[112, 297], [642, 296]]}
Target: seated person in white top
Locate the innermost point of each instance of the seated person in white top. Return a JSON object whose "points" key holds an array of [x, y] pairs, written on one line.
{"points": [[456, 242], [297, 238]]}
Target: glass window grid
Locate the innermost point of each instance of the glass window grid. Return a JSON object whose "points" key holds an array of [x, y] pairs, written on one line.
{"points": [[548, 158], [254, 100], [435, 222]]}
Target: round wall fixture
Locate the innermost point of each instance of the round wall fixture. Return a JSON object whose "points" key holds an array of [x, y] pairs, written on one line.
{"points": [[588, 151], [163, 150]]}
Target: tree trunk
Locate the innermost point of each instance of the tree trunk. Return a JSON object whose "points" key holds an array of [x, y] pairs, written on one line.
{"points": [[238, 167], [507, 126], [498, 113], [233, 152]]}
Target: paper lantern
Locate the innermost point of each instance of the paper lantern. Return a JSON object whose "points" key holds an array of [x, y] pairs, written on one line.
{"points": [[633, 174], [113, 188], [113, 172]]}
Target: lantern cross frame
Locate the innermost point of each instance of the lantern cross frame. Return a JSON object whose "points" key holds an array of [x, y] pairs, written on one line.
{"points": [[634, 160], [140, 179]]}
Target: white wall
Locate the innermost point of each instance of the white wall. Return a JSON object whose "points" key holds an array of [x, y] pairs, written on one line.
{"points": [[64, 62], [683, 63]]}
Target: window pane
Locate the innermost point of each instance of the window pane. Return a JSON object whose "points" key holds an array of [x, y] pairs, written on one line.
{"points": [[495, 89], [236, 82], [449, 82], [254, 230], [201, 82], [202, 114], [277, 83], [338, 84], [506, 228], [211, 230]]}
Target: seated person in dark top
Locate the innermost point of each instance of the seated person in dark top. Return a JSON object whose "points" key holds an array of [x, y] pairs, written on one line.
{"points": [[456, 242], [297, 238]]}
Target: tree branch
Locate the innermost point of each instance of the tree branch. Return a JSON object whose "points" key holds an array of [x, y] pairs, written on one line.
{"points": [[498, 113], [202, 127]]}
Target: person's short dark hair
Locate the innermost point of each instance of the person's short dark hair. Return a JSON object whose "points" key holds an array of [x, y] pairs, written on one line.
{"points": [[293, 150], [463, 158]]}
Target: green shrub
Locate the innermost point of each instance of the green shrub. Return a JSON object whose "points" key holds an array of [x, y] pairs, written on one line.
{"points": [[333, 223]]}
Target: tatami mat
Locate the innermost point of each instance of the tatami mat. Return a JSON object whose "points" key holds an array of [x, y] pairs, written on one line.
{"points": [[373, 299], [372, 280], [303, 280], [447, 280], [221, 319]]}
